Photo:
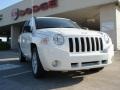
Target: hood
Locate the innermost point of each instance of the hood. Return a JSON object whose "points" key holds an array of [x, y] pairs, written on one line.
{"points": [[69, 31]]}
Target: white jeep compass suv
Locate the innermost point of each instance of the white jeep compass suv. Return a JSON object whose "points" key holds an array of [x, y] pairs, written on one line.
{"points": [[59, 44]]}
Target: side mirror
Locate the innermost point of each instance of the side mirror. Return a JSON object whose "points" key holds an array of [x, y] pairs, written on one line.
{"points": [[28, 28]]}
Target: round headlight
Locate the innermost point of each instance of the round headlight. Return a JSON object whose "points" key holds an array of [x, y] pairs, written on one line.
{"points": [[58, 39]]}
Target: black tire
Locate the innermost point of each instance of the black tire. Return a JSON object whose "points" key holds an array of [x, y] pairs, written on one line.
{"points": [[97, 69], [22, 58], [37, 67]]}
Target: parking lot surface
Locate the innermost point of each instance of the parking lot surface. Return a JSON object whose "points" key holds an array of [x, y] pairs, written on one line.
{"points": [[17, 76]]}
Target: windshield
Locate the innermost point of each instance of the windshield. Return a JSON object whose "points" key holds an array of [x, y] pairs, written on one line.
{"points": [[55, 23]]}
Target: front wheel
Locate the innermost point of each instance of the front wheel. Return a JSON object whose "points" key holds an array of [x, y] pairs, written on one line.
{"points": [[37, 67], [97, 69]]}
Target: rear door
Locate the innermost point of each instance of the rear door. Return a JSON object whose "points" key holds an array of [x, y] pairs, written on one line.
{"points": [[25, 41]]}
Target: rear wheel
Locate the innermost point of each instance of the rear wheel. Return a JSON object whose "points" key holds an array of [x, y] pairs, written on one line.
{"points": [[37, 67], [21, 56]]}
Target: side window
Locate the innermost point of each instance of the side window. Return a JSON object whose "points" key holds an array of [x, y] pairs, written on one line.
{"points": [[26, 24]]}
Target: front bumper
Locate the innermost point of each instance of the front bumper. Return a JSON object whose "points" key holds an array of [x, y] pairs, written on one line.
{"points": [[67, 61]]}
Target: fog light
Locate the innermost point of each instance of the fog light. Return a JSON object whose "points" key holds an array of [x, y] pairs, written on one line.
{"points": [[104, 61], [55, 63]]}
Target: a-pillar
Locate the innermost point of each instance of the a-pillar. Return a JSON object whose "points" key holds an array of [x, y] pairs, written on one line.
{"points": [[15, 32], [109, 23]]}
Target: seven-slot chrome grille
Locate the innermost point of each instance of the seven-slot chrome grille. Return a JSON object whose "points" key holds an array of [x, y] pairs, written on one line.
{"points": [[85, 44]]}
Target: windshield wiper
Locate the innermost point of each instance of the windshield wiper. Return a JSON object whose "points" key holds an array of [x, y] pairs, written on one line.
{"points": [[69, 27]]}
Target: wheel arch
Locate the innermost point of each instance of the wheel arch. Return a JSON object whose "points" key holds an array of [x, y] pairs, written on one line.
{"points": [[33, 45]]}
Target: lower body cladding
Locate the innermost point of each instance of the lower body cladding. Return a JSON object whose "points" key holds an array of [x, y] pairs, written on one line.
{"points": [[56, 59]]}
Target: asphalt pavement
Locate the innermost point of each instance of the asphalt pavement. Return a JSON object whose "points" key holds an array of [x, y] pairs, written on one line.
{"points": [[17, 76]]}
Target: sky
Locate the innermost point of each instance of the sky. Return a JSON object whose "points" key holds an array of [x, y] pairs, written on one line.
{"points": [[6, 3]]}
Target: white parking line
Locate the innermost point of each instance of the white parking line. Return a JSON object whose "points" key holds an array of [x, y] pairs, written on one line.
{"points": [[9, 59], [8, 66], [16, 74]]}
